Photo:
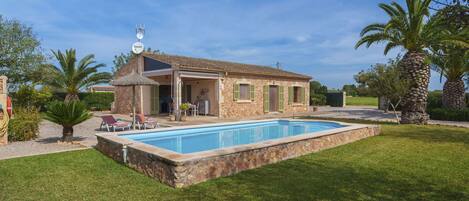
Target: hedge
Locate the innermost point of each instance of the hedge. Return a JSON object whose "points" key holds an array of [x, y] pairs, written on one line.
{"points": [[449, 115], [96, 101], [434, 100]]}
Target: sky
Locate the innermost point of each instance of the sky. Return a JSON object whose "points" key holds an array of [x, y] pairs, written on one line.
{"points": [[312, 37]]}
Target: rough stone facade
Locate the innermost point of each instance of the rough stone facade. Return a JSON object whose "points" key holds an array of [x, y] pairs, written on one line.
{"points": [[232, 109], [181, 173], [227, 106], [123, 95]]}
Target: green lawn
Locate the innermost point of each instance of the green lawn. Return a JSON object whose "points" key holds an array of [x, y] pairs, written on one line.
{"points": [[361, 101], [404, 163]]}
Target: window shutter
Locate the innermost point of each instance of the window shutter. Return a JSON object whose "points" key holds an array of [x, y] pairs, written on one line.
{"points": [[266, 98], [235, 92], [154, 100], [281, 98], [290, 95], [251, 87], [302, 95]]}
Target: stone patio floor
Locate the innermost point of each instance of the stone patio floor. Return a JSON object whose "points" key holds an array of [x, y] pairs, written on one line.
{"points": [[85, 132]]}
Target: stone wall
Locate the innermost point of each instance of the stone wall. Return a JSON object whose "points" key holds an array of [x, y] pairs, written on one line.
{"points": [[123, 95], [230, 108], [181, 173]]}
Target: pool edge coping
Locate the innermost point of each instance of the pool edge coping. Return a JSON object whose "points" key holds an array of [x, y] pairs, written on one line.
{"points": [[178, 158]]}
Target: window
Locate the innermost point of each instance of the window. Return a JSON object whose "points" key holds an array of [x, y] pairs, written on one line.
{"points": [[298, 95], [244, 92]]}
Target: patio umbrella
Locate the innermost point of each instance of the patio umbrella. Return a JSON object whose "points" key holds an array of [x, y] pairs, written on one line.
{"points": [[134, 79]]}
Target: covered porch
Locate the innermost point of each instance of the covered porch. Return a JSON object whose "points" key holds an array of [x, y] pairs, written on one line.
{"points": [[200, 89]]}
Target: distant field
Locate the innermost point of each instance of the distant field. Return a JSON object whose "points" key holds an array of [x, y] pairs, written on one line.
{"points": [[370, 101]]}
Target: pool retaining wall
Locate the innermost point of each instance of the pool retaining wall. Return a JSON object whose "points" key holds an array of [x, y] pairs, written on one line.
{"points": [[180, 170]]}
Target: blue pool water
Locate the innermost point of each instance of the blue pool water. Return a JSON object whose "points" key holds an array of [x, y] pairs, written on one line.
{"points": [[216, 137]]}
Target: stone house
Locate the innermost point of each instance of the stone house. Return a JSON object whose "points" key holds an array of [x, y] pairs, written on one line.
{"points": [[218, 88]]}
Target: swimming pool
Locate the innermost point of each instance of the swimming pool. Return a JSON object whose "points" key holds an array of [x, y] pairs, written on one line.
{"points": [[193, 140], [185, 155]]}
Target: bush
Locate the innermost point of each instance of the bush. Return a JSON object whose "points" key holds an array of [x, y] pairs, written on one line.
{"points": [[67, 114], [318, 99], [434, 100], [29, 96], [449, 115], [24, 125]]}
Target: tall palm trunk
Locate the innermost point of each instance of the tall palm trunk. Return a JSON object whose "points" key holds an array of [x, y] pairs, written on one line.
{"points": [[454, 96], [414, 102]]}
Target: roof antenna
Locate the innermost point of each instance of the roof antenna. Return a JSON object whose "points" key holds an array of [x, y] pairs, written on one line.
{"points": [[278, 65]]}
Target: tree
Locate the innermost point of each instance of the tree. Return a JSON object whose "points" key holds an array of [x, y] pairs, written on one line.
{"points": [[316, 87], [21, 59], [72, 77], [411, 29], [122, 59], [385, 80], [350, 89], [452, 61], [28, 96], [67, 114]]}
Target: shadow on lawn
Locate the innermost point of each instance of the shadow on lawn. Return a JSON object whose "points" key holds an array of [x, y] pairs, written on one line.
{"points": [[300, 179]]}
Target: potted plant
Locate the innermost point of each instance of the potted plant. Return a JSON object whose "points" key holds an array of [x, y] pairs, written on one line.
{"points": [[184, 107]]}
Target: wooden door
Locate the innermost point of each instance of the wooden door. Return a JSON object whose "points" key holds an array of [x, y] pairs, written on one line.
{"points": [[273, 98]]}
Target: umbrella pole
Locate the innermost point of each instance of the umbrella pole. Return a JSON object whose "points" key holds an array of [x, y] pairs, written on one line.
{"points": [[133, 107]]}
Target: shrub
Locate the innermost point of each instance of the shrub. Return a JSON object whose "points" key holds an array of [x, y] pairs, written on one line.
{"points": [[434, 100], [449, 115], [24, 125], [29, 96], [318, 99], [67, 114]]}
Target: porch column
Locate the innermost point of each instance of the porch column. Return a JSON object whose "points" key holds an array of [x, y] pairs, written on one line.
{"points": [[176, 89], [140, 71]]}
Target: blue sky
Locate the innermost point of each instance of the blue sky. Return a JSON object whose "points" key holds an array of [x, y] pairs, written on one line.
{"points": [[312, 37]]}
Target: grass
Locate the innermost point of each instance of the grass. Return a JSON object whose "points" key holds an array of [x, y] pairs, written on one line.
{"points": [[361, 101], [406, 162]]}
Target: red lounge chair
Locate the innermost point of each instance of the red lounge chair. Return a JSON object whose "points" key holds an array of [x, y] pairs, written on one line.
{"points": [[110, 123], [143, 122]]}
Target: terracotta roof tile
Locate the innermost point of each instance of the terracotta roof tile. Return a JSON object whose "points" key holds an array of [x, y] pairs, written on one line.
{"points": [[199, 64]]}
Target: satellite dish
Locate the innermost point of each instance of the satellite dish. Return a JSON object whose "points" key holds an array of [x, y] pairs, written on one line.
{"points": [[137, 47]]}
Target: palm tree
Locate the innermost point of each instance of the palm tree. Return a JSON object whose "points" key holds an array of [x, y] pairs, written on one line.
{"points": [[453, 64], [410, 29], [67, 114], [450, 60], [72, 77]]}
